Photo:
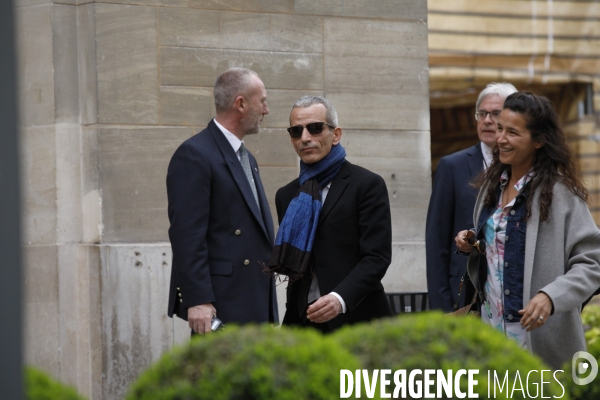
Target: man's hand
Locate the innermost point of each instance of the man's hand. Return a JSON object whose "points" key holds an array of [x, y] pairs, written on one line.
{"points": [[325, 309], [536, 312], [200, 317]]}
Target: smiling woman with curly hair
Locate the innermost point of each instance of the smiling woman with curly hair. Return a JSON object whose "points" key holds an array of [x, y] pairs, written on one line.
{"points": [[542, 247]]}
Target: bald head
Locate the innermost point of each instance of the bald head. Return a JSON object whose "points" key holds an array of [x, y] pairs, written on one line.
{"points": [[230, 84]]}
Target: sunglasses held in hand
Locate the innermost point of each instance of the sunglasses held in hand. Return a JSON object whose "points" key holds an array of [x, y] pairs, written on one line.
{"points": [[313, 128], [479, 244]]}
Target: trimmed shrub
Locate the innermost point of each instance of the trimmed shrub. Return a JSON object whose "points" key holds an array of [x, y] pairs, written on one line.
{"points": [[591, 323], [440, 342], [590, 316], [253, 362], [39, 386]]}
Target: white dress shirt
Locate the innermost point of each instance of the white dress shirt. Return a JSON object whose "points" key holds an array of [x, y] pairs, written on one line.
{"points": [[488, 157], [233, 140]]}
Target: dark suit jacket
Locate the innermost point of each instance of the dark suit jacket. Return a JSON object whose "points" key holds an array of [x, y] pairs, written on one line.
{"points": [[352, 248], [220, 239], [450, 211]]}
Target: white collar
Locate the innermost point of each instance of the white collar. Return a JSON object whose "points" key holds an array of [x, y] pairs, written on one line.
{"points": [[233, 140], [488, 157]]}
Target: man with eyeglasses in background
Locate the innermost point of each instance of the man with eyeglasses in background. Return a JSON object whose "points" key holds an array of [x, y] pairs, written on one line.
{"points": [[335, 235], [452, 201]]}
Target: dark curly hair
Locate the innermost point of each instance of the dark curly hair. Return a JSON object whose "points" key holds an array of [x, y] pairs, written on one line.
{"points": [[552, 162]]}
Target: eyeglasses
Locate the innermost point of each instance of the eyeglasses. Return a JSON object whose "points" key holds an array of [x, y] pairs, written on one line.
{"points": [[482, 115], [314, 128]]}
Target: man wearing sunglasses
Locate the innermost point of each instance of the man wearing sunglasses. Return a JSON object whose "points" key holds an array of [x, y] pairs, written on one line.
{"points": [[452, 201], [221, 227], [334, 238]]}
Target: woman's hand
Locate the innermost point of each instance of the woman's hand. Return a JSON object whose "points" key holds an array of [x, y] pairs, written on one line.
{"points": [[462, 243], [536, 312]]}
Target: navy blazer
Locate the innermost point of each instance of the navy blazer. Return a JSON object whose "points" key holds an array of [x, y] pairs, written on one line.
{"points": [[220, 239], [352, 248], [450, 211]]}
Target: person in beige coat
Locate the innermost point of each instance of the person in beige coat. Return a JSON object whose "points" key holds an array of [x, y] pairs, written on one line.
{"points": [[542, 247]]}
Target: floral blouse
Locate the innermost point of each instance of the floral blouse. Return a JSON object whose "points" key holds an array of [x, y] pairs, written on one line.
{"points": [[494, 229]]}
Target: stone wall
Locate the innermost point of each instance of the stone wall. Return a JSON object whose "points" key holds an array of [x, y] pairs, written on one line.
{"points": [[108, 90]]}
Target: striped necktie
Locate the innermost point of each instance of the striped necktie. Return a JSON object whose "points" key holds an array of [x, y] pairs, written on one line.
{"points": [[248, 171]]}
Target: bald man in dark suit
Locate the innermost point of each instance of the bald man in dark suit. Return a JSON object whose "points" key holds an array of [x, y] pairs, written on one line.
{"points": [[221, 227]]}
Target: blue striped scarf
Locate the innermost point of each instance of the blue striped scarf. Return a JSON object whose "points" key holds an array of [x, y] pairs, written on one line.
{"points": [[294, 242]]}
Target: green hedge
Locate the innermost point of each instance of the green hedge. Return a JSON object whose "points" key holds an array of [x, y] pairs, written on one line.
{"points": [[39, 386], [436, 341], [591, 322], [251, 363], [266, 363]]}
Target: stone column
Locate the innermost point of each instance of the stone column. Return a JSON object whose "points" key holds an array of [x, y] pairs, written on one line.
{"points": [[62, 299]]}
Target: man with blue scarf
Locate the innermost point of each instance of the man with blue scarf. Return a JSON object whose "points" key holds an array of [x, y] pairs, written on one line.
{"points": [[335, 235]]}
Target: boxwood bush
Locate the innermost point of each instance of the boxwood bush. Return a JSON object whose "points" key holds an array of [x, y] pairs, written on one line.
{"points": [[259, 362], [253, 362], [39, 386], [591, 323], [435, 341]]}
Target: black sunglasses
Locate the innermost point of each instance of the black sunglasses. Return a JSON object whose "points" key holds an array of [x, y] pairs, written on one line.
{"points": [[313, 128]]}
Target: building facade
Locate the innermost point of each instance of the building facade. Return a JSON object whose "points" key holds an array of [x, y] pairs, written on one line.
{"points": [[547, 47]]}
